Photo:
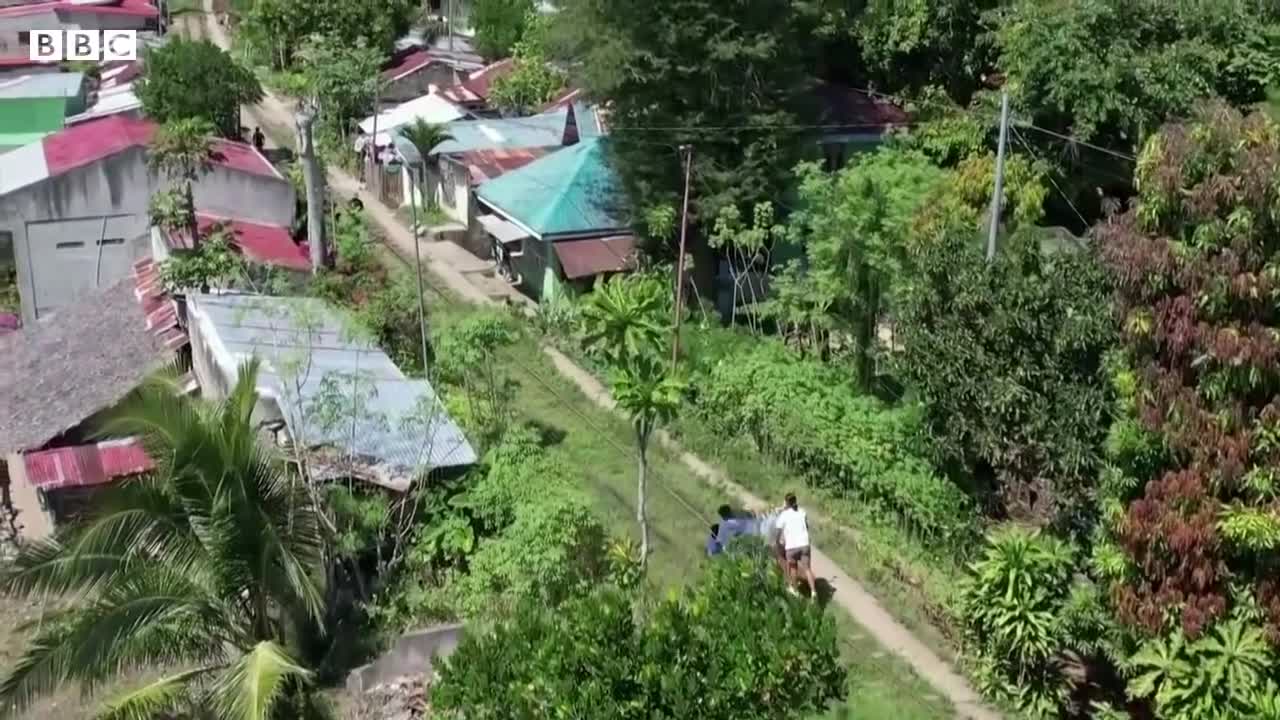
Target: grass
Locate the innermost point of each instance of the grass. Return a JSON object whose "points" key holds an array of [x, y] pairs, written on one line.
{"points": [[599, 444]]}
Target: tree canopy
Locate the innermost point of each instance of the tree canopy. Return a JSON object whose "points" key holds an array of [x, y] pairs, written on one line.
{"points": [[168, 93], [595, 656], [209, 564]]}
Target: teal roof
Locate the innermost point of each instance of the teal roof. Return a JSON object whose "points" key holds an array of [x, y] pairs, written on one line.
{"points": [[63, 85], [569, 192]]}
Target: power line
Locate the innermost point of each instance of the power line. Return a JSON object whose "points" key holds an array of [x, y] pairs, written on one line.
{"points": [[1049, 175]]}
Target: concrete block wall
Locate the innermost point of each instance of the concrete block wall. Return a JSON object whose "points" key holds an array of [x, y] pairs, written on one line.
{"points": [[415, 653]]}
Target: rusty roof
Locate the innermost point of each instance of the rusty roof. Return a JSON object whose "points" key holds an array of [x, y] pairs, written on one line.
{"points": [[585, 258]]}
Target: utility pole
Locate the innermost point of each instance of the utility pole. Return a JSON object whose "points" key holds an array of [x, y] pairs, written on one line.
{"points": [[684, 229], [417, 260], [449, 22], [314, 179], [999, 189]]}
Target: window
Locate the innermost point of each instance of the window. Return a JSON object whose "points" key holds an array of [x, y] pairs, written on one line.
{"points": [[111, 241], [69, 244]]}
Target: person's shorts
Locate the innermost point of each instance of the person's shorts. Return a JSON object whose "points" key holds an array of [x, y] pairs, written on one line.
{"points": [[799, 556]]}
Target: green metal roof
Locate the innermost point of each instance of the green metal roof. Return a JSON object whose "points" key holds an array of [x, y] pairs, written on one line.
{"points": [[569, 192], [30, 115], [13, 140]]}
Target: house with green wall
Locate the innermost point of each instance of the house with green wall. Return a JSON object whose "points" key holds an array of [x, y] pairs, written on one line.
{"points": [[559, 222], [33, 106]]}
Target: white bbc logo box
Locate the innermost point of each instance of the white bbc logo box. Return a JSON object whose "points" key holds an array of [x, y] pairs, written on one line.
{"points": [[95, 45]]}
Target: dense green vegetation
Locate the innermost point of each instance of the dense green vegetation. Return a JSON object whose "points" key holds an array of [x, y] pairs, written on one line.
{"points": [[168, 95]]}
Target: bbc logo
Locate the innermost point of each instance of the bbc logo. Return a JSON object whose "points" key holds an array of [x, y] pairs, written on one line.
{"points": [[95, 45]]}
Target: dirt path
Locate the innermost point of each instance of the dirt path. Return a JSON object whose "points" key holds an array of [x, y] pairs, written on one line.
{"points": [[469, 277]]}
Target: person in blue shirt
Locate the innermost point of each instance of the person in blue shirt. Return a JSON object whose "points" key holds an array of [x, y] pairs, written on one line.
{"points": [[714, 547], [731, 525]]}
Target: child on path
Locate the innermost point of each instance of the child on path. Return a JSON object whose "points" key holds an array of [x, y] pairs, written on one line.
{"points": [[793, 524]]}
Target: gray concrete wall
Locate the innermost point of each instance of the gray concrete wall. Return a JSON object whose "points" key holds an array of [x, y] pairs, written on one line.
{"points": [[414, 653], [250, 197], [57, 223]]}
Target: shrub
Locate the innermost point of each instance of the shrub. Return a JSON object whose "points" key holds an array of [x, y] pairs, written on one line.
{"points": [[732, 646], [1012, 610], [806, 415]]}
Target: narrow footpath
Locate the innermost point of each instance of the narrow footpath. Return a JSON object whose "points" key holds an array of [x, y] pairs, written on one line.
{"points": [[469, 277]]}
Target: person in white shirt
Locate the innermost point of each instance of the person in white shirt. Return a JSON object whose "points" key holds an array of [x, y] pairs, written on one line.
{"points": [[793, 524]]}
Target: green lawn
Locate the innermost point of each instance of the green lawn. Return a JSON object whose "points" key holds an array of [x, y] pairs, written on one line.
{"points": [[598, 444]]}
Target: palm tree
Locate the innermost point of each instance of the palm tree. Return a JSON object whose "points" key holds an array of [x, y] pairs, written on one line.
{"points": [[650, 394], [425, 137], [183, 151], [207, 564], [624, 317]]}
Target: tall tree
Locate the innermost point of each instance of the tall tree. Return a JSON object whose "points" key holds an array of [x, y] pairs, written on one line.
{"points": [[342, 79], [425, 137], [728, 77], [205, 566], [1195, 266], [182, 150], [650, 394], [195, 79], [1111, 71], [499, 25], [624, 324], [278, 29], [854, 226]]}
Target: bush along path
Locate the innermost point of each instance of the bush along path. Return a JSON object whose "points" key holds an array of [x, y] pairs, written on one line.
{"points": [[450, 265]]}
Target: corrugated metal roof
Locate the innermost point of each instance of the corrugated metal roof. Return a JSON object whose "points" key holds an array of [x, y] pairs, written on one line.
{"points": [[43, 85], [268, 244], [586, 258], [571, 191], [431, 108], [88, 142], [537, 131], [131, 8], [485, 165], [86, 465], [475, 89], [400, 426]]}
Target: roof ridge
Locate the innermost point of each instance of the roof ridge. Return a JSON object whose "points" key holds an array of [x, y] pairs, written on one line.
{"points": [[582, 154]]}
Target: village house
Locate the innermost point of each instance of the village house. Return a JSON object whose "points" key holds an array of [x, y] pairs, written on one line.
{"points": [[16, 65], [33, 106], [559, 222], [17, 21], [342, 398], [114, 94], [59, 377], [74, 205], [472, 94], [413, 72]]}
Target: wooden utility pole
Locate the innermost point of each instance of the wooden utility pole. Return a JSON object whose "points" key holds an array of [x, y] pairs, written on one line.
{"points": [[314, 179], [684, 230], [999, 188]]}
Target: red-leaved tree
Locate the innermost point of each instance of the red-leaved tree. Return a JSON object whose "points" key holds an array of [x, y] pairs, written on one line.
{"points": [[1197, 265]]}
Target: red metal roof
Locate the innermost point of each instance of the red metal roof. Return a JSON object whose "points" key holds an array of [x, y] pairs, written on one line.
{"points": [[9, 322], [268, 244], [566, 98], [489, 164], [86, 465], [476, 87], [160, 309], [13, 61], [854, 110], [84, 143], [402, 64], [584, 258], [135, 8]]}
